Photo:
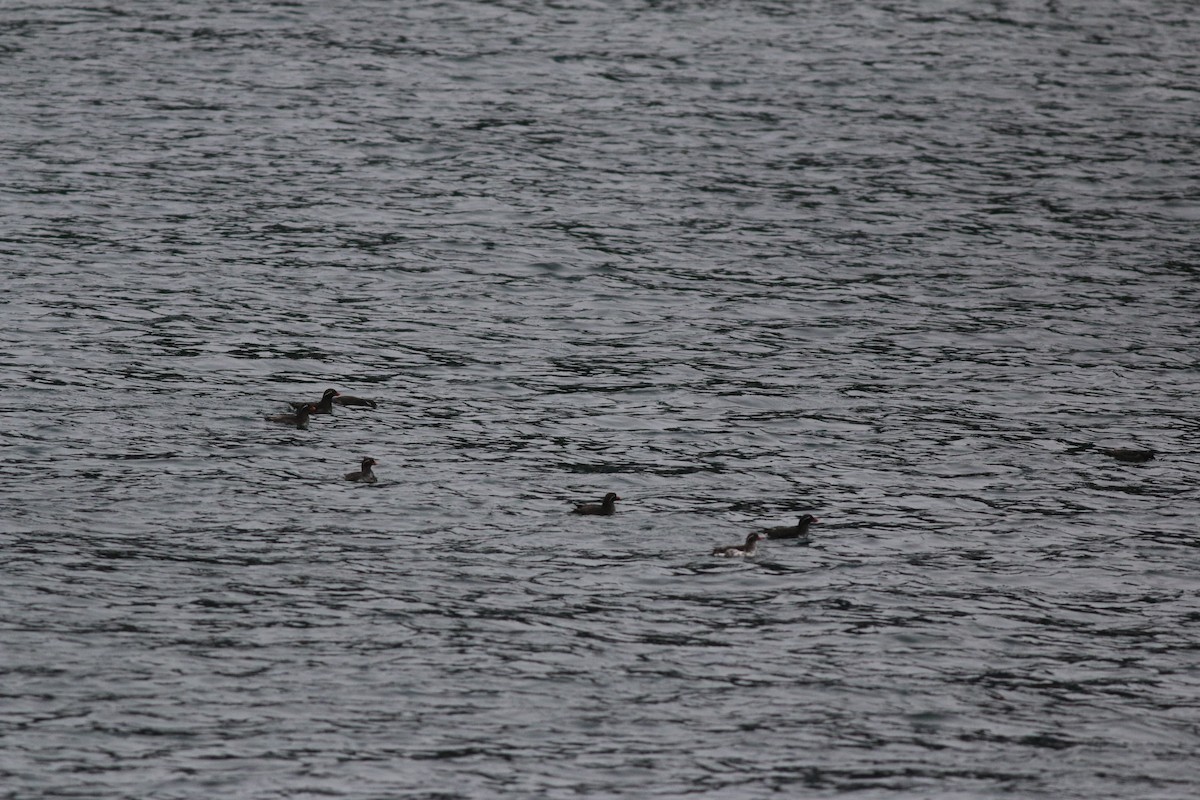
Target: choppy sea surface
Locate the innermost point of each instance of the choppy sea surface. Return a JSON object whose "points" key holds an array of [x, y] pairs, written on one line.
{"points": [[907, 266]]}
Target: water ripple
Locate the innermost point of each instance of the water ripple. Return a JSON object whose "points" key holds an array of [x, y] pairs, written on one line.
{"points": [[907, 269]]}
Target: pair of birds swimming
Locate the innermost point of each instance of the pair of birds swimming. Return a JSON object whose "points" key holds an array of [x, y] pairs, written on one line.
{"points": [[608, 506], [750, 546], [302, 411]]}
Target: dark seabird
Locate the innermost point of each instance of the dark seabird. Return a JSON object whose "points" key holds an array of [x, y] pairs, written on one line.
{"points": [[605, 508]]}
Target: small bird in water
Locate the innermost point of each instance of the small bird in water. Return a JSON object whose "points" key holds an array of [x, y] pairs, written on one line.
{"points": [[350, 400], [299, 419], [324, 405], [605, 508], [797, 531], [365, 475], [741, 550], [1134, 455]]}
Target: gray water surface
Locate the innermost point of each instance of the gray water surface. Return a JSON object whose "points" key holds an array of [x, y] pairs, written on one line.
{"points": [[905, 266]]}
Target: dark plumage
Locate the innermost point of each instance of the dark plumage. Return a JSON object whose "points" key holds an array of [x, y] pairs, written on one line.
{"points": [[797, 531], [348, 400], [323, 406], [1134, 455], [740, 550], [365, 475], [606, 508], [299, 419]]}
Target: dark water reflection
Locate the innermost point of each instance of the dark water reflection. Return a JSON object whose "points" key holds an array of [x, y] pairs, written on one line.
{"points": [[906, 268]]}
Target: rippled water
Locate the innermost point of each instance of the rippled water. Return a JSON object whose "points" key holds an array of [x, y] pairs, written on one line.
{"points": [[902, 265]]}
